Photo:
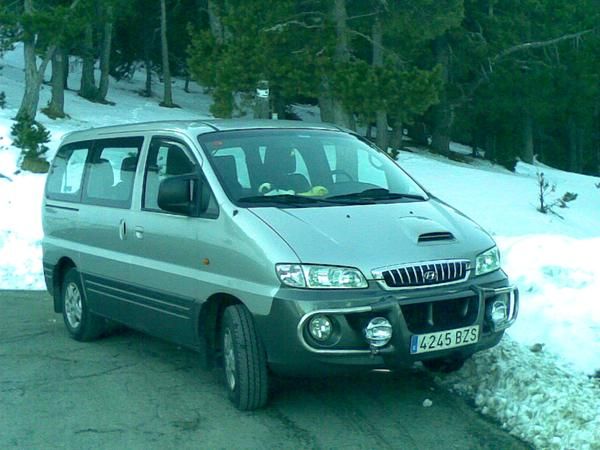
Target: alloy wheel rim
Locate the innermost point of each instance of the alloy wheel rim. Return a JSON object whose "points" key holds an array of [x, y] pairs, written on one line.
{"points": [[73, 308], [229, 359]]}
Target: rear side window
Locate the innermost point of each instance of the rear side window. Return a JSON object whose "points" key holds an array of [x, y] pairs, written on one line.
{"points": [[111, 172], [66, 174]]}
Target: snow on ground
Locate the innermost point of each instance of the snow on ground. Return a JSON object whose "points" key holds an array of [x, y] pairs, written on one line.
{"points": [[536, 383], [533, 395]]}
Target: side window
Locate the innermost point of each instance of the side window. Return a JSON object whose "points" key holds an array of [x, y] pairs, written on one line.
{"points": [[66, 173], [111, 171], [167, 158]]}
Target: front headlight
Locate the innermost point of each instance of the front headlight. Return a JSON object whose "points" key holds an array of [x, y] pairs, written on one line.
{"points": [[320, 277], [487, 261]]}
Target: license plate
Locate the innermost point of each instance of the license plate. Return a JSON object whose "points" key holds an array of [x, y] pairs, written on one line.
{"points": [[423, 343]]}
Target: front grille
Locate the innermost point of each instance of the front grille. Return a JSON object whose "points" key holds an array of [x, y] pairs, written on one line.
{"points": [[430, 317], [426, 274]]}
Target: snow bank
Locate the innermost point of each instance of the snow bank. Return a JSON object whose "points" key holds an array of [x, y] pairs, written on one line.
{"points": [[21, 232], [533, 395], [559, 281]]}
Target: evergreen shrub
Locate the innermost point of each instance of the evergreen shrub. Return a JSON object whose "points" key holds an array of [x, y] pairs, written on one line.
{"points": [[30, 136]]}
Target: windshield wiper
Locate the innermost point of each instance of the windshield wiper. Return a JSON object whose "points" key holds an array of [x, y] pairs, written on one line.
{"points": [[288, 199], [377, 194]]}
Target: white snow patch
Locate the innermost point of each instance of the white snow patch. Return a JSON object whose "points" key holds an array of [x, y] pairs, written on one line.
{"points": [[533, 395]]}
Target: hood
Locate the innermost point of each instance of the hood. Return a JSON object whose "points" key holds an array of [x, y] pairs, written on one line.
{"points": [[374, 236]]}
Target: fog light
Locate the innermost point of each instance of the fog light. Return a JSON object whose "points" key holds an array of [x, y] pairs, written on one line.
{"points": [[499, 312], [320, 327], [378, 332]]}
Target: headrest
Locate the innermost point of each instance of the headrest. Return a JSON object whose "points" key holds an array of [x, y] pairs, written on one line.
{"points": [[129, 164], [280, 159]]}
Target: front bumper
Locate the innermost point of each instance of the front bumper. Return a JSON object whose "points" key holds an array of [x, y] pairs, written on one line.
{"points": [[290, 348]]}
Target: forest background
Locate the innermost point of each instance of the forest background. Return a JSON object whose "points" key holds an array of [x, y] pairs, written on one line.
{"points": [[513, 79]]}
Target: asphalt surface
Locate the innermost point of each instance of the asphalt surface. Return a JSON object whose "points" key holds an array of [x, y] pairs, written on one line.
{"points": [[131, 391]]}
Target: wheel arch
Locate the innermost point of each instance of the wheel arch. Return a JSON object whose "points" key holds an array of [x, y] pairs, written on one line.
{"points": [[63, 265], [209, 324]]}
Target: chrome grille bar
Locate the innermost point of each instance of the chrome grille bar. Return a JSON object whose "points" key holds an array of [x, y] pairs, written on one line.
{"points": [[426, 274]]}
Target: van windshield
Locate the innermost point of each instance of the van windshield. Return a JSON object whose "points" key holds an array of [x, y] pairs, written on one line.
{"points": [[305, 168]]}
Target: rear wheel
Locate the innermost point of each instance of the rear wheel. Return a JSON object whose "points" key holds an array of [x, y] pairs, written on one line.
{"points": [[81, 324], [244, 360]]}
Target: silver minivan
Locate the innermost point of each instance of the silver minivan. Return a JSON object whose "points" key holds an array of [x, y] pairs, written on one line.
{"points": [[268, 247]]}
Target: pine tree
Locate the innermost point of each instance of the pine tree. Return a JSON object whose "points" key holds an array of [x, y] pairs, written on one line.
{"points": [[39, 28], [31, 136]]}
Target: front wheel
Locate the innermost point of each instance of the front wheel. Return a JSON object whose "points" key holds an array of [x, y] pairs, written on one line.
{"points": [[81, 324], [244, 360]]}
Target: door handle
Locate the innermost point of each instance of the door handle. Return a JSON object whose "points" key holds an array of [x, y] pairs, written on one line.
{"points": [[122, 230], [139, 232]]}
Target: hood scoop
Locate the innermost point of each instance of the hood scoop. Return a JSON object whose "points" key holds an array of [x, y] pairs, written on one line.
{"points": [[423, 230], [436, 236]]}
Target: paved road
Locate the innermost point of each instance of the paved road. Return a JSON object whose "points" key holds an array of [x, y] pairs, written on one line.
{"points": [[131, 391]]}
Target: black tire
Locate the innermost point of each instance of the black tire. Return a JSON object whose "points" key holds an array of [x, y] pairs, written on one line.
{"points": [[444, 365], [81, 324], [244, 361]]}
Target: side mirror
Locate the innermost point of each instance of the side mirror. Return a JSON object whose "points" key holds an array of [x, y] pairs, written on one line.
{"points": [[179, 194]]}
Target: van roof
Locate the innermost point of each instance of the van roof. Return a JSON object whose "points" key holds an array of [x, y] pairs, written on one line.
{"points": [[198, 127]]}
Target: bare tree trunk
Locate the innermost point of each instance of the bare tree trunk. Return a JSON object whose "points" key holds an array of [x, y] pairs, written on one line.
{"points": [[342, 55], [418, 133], [88, 83], [66, 69], [397, 137], [105, 56], [325, 101], [215, 23], [56, 107], [383, 136], [527, 151], [33, 81], [442, 112], [148, 83], [34, 75], [148, 43], [168, 96]]}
